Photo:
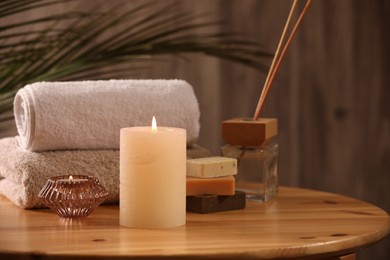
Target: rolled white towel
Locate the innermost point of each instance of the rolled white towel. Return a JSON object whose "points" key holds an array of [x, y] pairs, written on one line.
{"points": [[89, 114]]}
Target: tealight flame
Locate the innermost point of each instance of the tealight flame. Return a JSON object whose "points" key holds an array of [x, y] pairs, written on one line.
{"points": [[71, 178], [154, 124]]}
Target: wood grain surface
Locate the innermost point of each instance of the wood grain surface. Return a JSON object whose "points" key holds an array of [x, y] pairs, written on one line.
{"points": [[298, 223]]}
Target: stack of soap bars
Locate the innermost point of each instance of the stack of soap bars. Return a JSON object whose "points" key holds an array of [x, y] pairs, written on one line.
{"points": [[211, 185]]}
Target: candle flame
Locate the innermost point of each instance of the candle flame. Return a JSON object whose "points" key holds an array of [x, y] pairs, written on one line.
{"points": [[154, 124], [71, 178]]}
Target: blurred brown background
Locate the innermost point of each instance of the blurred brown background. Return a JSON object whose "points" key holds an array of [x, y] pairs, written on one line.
{"points": [[331, 96]]}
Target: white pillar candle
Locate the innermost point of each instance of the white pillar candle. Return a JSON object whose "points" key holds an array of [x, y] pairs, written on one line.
{"points": [[152, 177]]}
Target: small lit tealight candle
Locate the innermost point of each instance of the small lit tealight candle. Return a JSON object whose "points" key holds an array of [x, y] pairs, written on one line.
{"points": [[152, 177], [73, 196]]}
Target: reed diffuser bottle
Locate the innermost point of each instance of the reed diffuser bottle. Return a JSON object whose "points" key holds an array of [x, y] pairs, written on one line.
{"points": [[253, 144]]}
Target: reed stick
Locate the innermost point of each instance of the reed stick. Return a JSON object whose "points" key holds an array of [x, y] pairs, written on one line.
{"points": [[281, 40], [274, 69]]}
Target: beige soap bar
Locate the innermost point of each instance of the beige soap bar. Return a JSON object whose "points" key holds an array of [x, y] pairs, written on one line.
{"points": [[211, 186], [211, 167]]}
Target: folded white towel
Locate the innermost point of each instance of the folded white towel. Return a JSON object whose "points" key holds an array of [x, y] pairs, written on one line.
{"points": [[24, 173], [89, 114]]}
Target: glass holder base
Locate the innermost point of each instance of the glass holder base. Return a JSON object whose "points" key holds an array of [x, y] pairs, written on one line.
{"points": [[257, 170]]}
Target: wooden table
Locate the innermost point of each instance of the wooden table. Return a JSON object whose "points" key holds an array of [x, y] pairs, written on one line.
{"points": [[298, 223]]}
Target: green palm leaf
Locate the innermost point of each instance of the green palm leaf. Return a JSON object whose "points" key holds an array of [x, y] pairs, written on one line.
{"points": [[76, 45]]}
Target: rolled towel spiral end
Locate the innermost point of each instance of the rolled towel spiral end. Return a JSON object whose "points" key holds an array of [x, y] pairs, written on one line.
{"points": [[24, 118]]}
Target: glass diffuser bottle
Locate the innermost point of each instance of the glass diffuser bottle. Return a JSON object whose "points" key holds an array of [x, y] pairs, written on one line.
{"points": [[253, 144]]}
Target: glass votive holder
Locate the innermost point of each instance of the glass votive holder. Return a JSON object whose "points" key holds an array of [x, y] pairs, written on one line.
{"points": [[257, 170], [73, 196]]}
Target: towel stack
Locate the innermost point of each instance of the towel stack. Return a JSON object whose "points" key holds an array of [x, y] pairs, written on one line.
{"points": [[73, 128]]}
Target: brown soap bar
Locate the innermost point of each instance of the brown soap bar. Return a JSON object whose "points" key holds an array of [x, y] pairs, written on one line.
{"points": [[213, 203], [217, 186]]}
